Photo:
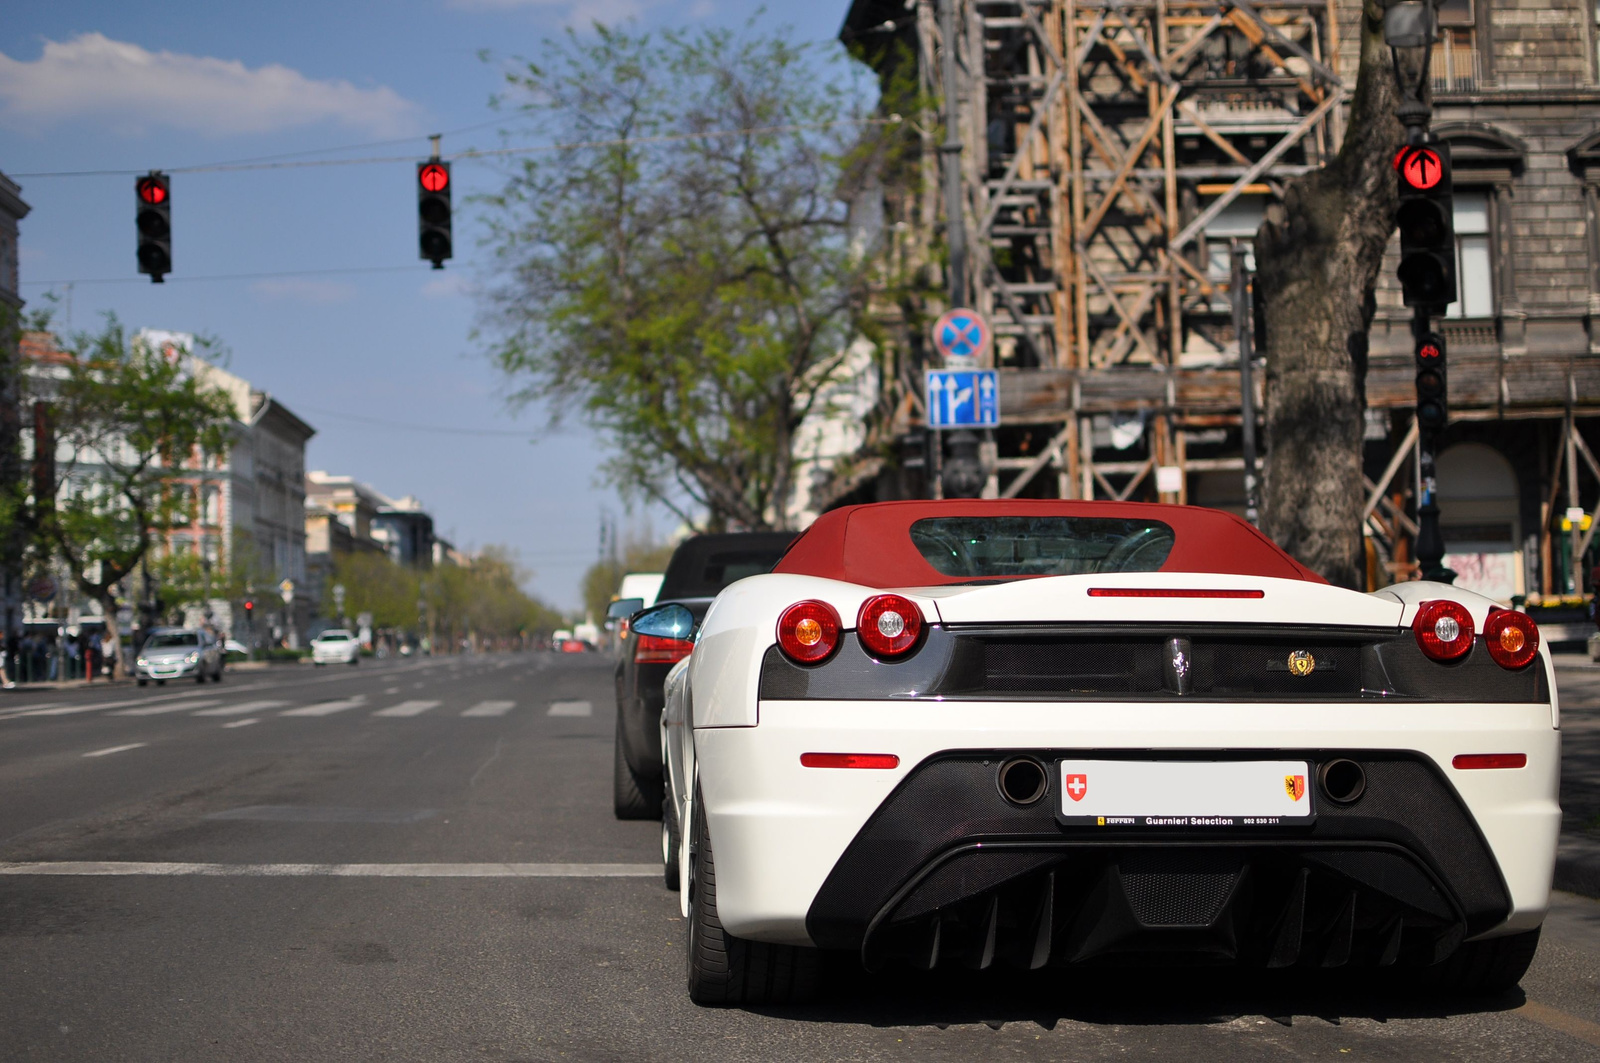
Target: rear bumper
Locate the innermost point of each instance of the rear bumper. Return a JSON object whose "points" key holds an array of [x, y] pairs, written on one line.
{"points": [[890, 861]]}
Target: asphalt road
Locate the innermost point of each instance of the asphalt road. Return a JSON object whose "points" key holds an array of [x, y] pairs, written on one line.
{"points": [[417, 861]]}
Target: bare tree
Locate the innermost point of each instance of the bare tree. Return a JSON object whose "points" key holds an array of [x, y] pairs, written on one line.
{"points": [[1317, 258]]}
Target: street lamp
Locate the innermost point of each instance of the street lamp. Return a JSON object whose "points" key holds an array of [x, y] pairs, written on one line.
{"points": [[1406, 25]]}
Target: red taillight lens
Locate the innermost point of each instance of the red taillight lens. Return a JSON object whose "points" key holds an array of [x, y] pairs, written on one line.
{"points": [[808, 632], [1490, 760], [653, 649], [1444, 629], [849, 760], [889, 625], [1512, 638]]}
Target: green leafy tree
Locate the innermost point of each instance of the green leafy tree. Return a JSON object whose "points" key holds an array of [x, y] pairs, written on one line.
{"points": [[603, 578], [374, 584], [686, 276], [124, 418]]}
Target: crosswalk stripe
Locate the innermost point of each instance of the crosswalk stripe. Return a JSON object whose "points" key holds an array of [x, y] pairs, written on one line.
{"points": [[117, 749], [244, 708], [158, 710], [490, 708], [571, 708], [408, 708], [328, 708], [243, 723]]}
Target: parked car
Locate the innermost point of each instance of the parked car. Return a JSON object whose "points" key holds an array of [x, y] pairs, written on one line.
{"points": [[700, 568], [1037, 733], [178, 653], [335, 646]]}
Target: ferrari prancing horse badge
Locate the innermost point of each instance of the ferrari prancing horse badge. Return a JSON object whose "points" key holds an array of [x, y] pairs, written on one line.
{"points": [[1301, 663]]}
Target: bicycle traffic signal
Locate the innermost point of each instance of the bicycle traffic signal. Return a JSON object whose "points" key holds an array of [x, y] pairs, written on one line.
{"points": [[1433, 410], [433, 211], [1426, 220], [153, 193]]}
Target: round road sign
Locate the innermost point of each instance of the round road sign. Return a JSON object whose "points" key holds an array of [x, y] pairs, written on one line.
{"points": [[961, 334]]}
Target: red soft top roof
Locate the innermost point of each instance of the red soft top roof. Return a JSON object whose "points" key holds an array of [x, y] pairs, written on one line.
{"points": [[871, 545]]}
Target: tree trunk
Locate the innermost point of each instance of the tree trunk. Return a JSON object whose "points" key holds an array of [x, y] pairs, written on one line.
{"points": [[108, 606], [1317, 260]]}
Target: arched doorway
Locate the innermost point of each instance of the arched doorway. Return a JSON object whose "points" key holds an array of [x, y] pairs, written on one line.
{"points": [[1480, 520]]}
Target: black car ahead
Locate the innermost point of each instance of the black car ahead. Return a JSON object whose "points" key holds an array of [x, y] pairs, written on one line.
{"points": [[698, 571]]}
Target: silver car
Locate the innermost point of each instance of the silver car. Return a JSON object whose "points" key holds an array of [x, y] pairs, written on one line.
{"points": [[179, 653]]}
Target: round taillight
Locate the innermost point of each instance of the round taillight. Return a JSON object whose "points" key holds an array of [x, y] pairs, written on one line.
{"points": [[889, 625], [1444, 629], [1512, 638], [808, 632]]}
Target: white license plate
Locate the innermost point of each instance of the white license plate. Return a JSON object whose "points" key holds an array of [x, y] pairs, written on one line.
{"points": [[1184, 793]]}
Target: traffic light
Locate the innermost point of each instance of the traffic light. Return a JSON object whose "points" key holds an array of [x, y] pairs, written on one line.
{"points": [[153, 192], [1426, 220], [433, 211], [249, 608], [1433, 409]]}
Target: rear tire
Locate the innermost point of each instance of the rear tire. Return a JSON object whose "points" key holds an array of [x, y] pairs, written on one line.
{"points": [[1487, 968], [726, 970], [631, 796]]}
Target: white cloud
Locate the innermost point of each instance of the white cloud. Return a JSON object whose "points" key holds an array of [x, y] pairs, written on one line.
{"points": [[94, 76], [303, 290]]}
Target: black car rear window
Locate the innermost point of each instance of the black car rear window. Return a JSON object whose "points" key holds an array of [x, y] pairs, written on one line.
{"points": [[174, 638], [1012, 547], [702, 566]]}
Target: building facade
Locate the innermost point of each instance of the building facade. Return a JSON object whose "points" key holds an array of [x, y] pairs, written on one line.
{"points": [[12, 211], [1116, 158]]}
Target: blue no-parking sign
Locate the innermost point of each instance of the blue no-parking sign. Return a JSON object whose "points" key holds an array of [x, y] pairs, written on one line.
{"points": [[961, 335], [964, 398]]}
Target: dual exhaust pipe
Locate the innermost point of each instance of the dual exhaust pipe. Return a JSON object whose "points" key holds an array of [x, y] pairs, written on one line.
{"points": [[1024, 781]]}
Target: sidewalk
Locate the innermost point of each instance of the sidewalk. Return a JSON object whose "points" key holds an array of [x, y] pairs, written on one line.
{"points": [[121, 681], [1578, 860]]}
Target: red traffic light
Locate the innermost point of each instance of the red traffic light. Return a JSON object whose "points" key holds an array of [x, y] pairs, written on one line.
{"points": [[152, 190], [1429, 352], [1421, 168], [433, 177]]}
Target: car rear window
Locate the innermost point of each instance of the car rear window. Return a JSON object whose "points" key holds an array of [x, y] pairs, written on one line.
{"points": [[1013, 547], [334, 636], [702, 566], [176, 638]]}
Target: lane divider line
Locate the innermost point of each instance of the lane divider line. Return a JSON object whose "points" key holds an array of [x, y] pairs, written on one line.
{"points": [[135, 867], [242, 723], [117, 749]]}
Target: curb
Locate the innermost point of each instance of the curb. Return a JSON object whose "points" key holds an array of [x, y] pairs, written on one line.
{"points": [[1578, 864]]}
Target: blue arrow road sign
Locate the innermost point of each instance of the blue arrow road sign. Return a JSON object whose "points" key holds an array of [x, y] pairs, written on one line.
{"points": [[966, 398]]}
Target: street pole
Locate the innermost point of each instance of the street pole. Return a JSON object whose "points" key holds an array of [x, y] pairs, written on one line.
{"points": [[950, 159], [1244, 331]]}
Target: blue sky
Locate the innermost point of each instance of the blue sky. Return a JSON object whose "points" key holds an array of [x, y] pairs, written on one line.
{"points": [[91, 86]]}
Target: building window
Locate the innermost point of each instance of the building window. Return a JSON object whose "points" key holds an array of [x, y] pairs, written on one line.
{"points": [[1474, 260], [210, 505], [1454, 66]]}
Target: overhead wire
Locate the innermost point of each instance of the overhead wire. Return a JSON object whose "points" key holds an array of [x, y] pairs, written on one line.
{"points": [[265, 162]]}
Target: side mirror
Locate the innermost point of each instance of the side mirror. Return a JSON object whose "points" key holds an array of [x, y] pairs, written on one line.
{"points": [[666, 622], [623, 608]]}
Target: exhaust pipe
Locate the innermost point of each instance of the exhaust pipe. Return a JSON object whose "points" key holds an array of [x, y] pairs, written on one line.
{"points": [[1022, 781], [1343, 781]]}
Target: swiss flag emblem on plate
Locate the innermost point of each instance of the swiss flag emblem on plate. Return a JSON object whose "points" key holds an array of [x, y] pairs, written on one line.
{"points": [[1077, 786]]}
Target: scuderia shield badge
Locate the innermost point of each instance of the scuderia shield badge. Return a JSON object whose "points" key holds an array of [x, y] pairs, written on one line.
{"points": [[1295, 786], [1302, 663]]}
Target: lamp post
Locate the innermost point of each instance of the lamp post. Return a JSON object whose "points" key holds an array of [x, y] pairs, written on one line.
{"points": [[1407, 26]]}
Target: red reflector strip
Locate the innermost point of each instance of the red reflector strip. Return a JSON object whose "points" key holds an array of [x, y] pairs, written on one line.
{"points": [[1169, 592], [1490, 760], [849, 760]]}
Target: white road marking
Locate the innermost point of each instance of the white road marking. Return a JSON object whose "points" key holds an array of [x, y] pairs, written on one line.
{"points": [[242, 708], [242, 723], [490, 708], [392, 690], [328, 708], [408, 708], [157, 710], [116, 749], [132, 867], [571, 708], [100, 706]]}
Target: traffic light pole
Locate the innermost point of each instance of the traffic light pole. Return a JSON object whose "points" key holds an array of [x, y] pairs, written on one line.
{"points": [[1430, 541]]}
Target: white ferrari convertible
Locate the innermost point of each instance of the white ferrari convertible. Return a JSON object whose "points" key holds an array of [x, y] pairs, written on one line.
{"points": [[1040, 732]]}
